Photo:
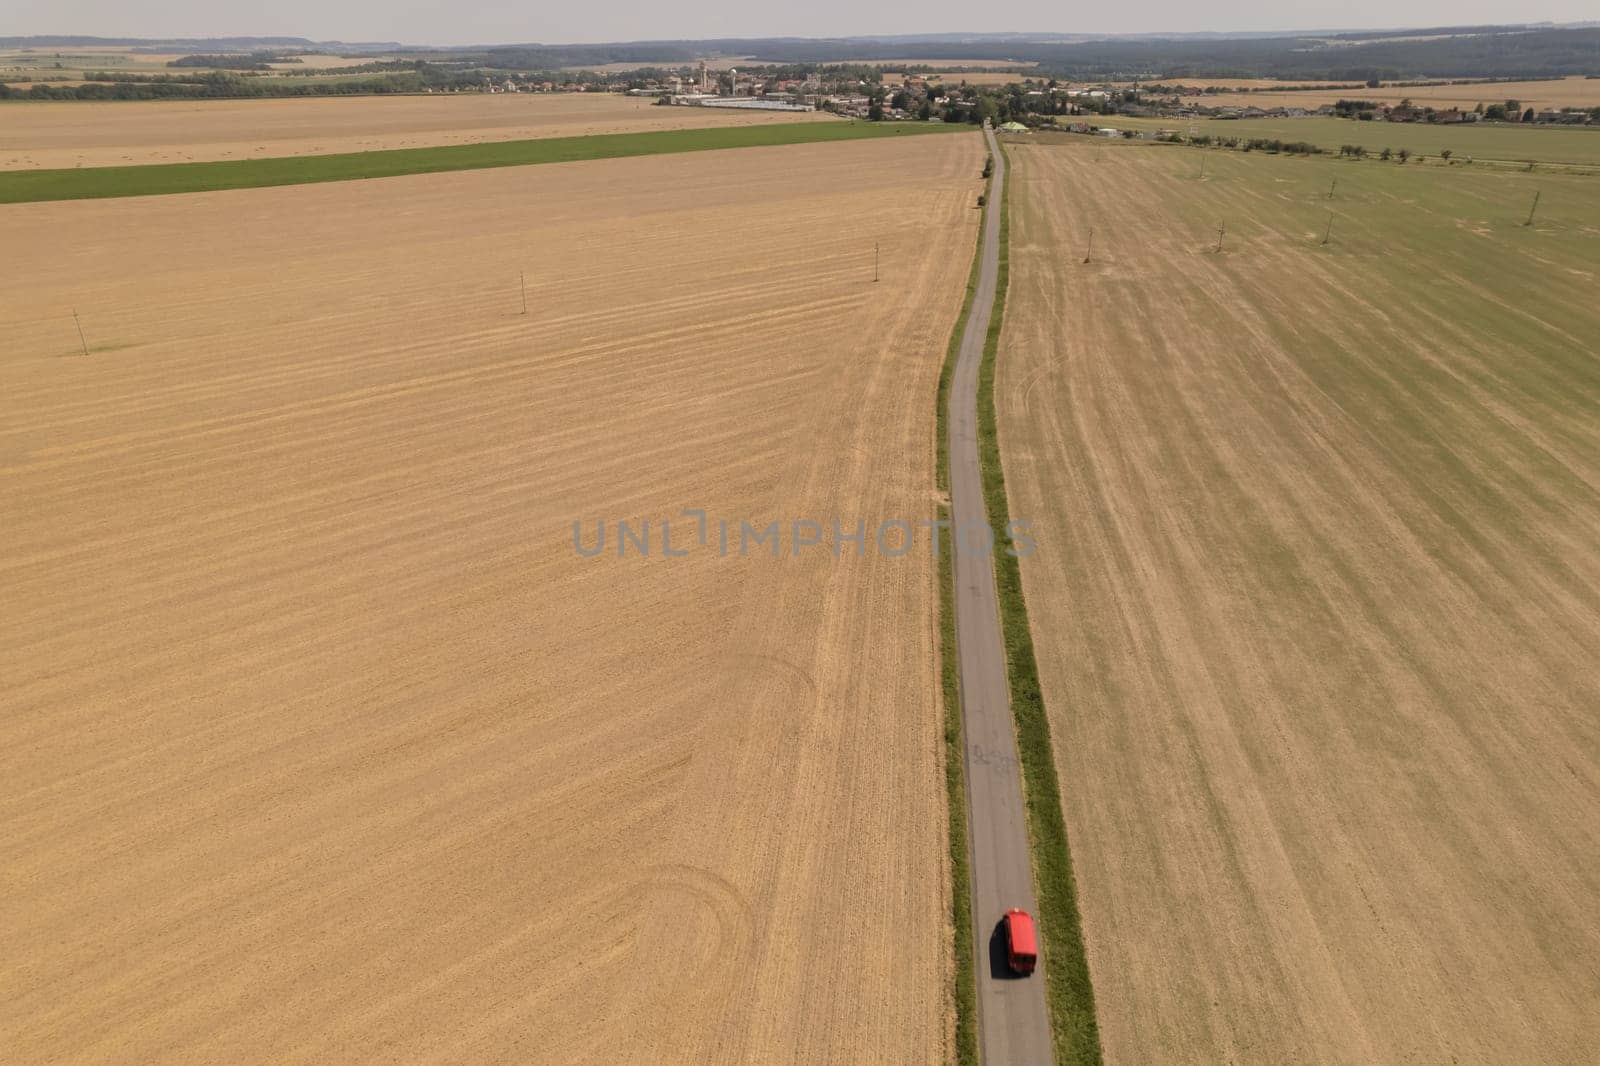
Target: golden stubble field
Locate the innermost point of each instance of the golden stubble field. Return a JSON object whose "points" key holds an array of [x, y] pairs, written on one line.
{"points": [[973, 77], [1556, 93], [321, 741], [1315, 598], [1227, 83], [122, 133]]}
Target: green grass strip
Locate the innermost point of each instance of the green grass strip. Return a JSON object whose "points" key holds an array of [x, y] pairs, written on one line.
{"points": [[955, 781], [87, 183], [952, 350], [1071, 997]]}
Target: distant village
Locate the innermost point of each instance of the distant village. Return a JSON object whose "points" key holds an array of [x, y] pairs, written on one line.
{"points": [[853, 92], [877, 94]]}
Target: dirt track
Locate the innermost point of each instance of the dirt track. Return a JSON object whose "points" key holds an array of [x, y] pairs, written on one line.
{"points": [[323, 744], [1315, 598], [72, 134]]}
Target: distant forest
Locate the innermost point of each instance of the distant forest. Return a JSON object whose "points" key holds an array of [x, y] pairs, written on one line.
{"points": [[1454, 52], [1491, 52], [235, 61], [1439, 53]]}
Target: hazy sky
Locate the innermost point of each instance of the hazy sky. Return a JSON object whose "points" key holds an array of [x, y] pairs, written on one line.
{"points": [[504, 21]]}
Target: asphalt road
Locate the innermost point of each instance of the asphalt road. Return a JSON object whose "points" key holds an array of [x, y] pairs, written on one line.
{"points": [[1013, 1024]]}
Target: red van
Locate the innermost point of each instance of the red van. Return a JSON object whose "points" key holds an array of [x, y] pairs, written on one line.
{"points": [[1022, 946]]}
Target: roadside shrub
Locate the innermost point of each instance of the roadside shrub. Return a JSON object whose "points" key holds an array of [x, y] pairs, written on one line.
{"points": [[1351, 108], [1274, 145]]}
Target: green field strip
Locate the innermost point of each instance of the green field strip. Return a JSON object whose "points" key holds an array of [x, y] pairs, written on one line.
{"points": [[91, 183]]}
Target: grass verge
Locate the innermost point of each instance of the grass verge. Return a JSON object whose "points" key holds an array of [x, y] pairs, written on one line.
{"points": [[88, 183], [1070, 994], [965, 993]]}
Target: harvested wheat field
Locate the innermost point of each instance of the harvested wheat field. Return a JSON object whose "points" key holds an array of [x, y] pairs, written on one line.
{"points": [[953, 64], [120, 133], [975, 77], [314, 61], [1242, 84], [1541, 95], [1316, 597], [324, 743], [719, 63]]}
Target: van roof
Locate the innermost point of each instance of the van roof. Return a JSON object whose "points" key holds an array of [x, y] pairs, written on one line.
{"points": [[1022, 938]]}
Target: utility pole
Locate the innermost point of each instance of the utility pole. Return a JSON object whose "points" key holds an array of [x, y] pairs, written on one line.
{"points": [[79, 324], [1331, 186], [523, 278], [1532, 209], [1222, 229], [1202, 168], [874, 262], [1329, 233], [1090, 250]]}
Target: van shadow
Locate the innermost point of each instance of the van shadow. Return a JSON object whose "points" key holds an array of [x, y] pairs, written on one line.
{"points": [[999, 965]]}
